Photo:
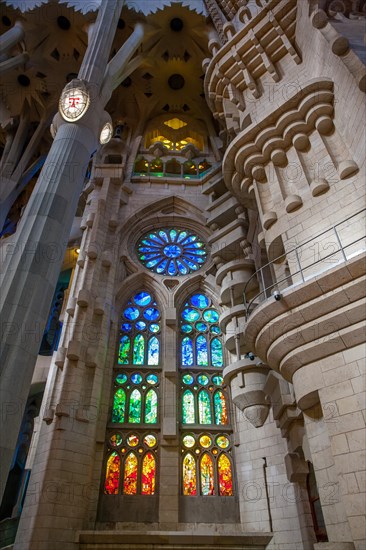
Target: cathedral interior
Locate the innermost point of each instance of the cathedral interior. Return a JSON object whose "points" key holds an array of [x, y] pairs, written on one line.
{"points": [[182, 266]]}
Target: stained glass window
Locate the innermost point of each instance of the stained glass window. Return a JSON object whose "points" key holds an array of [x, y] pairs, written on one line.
{"points": [[206, 457], [119, 405], [140, 332], [133, 459], [203, 346], [171, 252], [134, 414]]}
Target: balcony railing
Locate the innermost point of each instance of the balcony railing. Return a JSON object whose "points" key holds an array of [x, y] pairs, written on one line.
{"points": [[309, 259]]}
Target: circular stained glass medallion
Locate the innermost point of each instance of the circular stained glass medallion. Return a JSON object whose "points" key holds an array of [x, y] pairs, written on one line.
{"points": [[121, 379], [152, 379], [140, 325], [150, 440], [190, 315], [136, 378], [172, 252], [217, 380], [154, 327], [126, 327], [186, 328], [205, 441], [188, 379], [151, 314], [115, 440], [211, 316], [201, 327], [188, 441], [132, 440], [203, 379], [215, 330], [131, 313], [222, 441], [142, 299]]}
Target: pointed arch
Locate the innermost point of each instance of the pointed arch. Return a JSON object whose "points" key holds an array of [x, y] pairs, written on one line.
{"points": [[220, 408], [201, 351], [188, 408], [207, 475], [151, 407], [119, 406], [130, 474], [217, 355], [225, 476], [124, 350], [204, 408], [139, 350], [189, 475], [148, 474], [112, 475], [153, 351], [187, 352], [134, 413]]}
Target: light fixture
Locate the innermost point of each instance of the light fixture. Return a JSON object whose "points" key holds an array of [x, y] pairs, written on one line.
{"points": [[74, 101], [250, 355], [106, 133], [77, 250], [277, 295]]}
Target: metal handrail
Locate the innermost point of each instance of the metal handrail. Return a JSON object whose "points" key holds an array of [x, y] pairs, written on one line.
{"points": [[260, 272]]}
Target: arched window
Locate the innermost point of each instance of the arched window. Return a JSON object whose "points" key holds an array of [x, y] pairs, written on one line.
{"points": [[132, 456], [206, 457], [131, 466], [140, 332]]}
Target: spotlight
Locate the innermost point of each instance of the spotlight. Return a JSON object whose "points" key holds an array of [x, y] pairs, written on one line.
{"points": [[77, 250], [277, 295]]}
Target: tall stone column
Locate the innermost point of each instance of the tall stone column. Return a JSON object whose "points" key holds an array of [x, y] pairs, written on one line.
{"points": [[31, 261]]}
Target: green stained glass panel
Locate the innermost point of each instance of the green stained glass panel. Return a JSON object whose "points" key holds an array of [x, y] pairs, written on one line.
{"points": [[134, 414], [203, 379], [119, 406], [204, 408], [124, 350], [121, 379], [188, 416], [201, 351], [218, 380], [138, 350], [217, 357], [151, 407], [188, 379]]}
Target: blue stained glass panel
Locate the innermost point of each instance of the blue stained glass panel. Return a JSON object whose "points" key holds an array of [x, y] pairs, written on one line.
{"points": [[200, 300], [162, 267], [215, 330], [173, 234], [183, 270], [131, 313], [163, 235], [217, 357], [136, 378], [172, 250], [154, 327], [153, 263], [153, 351], [187, 352], [190, 315], [142, 299], [201, 327], [186, 328], [201, 351], [211, 316], [182, 236], [151, 314], [172, 270], [126, 327], [203, 379], [140, 325]]}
